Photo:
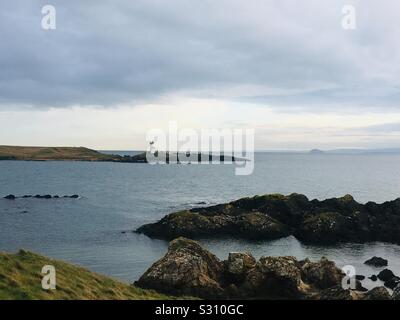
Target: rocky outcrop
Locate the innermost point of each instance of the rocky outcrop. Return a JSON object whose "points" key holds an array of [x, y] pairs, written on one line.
{"points": [[373, 277], [389, 278], [323, 274], [385, 275], [189, 269], [377, 293], [190, 224], [38, 196], [275, 216], [377, 262]]}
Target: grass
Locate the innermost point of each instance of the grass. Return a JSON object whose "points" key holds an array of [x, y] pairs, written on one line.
{"points": [[51, 153], [20, 279]]}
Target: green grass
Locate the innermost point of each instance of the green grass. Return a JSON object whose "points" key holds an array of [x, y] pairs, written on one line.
{"points": [[20, 279], [51, 153]]}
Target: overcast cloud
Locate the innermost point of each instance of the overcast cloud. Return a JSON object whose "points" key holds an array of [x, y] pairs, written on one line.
{"points": [[283, 53], [284, 56]]}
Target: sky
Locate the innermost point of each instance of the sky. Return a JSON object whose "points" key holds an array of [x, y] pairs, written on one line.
{"points": [[113, 70]]}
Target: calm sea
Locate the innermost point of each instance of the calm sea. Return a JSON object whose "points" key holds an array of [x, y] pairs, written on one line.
{"points": [[95, 230]]}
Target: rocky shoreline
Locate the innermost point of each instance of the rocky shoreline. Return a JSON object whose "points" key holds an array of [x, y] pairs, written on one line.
{"points": [[275, 216], [189, 269]]}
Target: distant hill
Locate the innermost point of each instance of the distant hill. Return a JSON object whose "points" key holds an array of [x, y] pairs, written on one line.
{"points": [[20, 279], [53, 153]]}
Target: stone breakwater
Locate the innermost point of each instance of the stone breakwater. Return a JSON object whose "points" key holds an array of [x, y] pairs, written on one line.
{"points": [[189, 269], [274, 216]]}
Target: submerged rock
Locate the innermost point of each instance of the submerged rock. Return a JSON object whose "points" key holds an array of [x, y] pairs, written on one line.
{"points": [[392, 283], [385, 275], [189, 269], [377, 262], [274, 216], [360, 287], [373, 277], [10, 197]]}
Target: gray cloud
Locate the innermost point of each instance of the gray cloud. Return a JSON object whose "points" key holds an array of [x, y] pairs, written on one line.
{"points": [[124, 51], [386, 128]]}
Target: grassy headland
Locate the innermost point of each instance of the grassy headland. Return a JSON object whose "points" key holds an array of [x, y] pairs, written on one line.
{"points": [[20, 278], [52, 153]]}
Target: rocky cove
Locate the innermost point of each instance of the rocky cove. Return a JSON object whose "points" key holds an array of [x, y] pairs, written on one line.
{"points": [[99, 214], [274, 216]]}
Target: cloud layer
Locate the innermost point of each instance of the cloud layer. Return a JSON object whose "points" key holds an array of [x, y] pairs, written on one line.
{"points": [[282, 54]]}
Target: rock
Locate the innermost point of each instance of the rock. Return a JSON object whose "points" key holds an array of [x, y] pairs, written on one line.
{"points": [[377, 262], [334, 293], [373, 277], [195, 225], [282, 277], [47, 196], [256, 225], [392, 283], [323, 274], [377, 293], [186, 269], [396, 293], [38, 196], [326, 227], [385, 275], [239, 263], [274, 216], [360, 277], [360, 287]]}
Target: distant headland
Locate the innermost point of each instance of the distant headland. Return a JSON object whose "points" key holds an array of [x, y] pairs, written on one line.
{"points": [[86, 154]]}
